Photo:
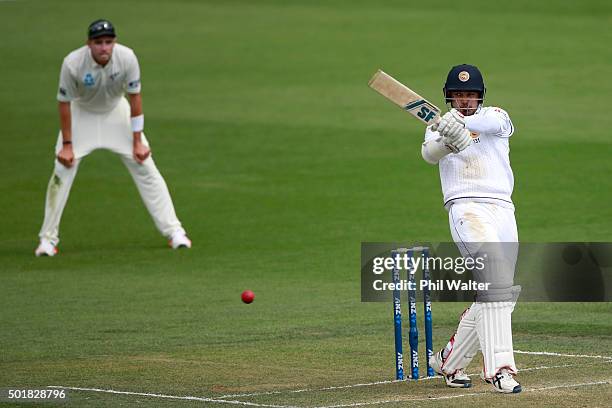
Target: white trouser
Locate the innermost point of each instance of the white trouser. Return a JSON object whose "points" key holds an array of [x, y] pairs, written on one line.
{"points": [[485, 325], [112, 131]]}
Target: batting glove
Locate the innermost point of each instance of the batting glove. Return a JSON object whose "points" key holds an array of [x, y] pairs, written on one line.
{"points": [[459, 140], [450, 119]]}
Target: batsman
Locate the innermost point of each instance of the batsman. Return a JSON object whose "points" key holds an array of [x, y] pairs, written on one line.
{"points": [[470, 145]]}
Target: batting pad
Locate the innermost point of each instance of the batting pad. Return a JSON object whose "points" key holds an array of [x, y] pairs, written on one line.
{"points": [[463, 346], [494, 327]]}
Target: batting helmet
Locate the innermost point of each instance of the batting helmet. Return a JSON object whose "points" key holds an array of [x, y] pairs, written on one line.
{"points": [[100, 28], [464, 77]]}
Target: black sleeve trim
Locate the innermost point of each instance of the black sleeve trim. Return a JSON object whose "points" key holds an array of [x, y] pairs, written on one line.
{"points": [[489, 198]]}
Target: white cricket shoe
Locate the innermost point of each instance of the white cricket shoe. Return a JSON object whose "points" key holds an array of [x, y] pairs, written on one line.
{"points": [[457, 380], [503, 382], [45, 248], [180, 240]]}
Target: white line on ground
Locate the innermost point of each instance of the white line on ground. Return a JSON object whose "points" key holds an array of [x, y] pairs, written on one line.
{"points": [[548, 353], [339, 387], [145, 394], [472, 394], [221, 399], [548, 367], [535, 368], [355, 404], [335, 387]]}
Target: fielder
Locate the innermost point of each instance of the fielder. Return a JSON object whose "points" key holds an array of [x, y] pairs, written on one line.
{"points": [[94, 114], [471, 147]]}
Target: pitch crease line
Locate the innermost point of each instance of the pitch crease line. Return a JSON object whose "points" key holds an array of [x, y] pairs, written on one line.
{"points": [[333, 387], [339, 387], [356, 404], [175, 397], [548, 353], [473, 394], [221, 399]]}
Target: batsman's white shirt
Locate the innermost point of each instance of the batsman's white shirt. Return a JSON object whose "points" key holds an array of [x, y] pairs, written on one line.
{"points": [[98, 88], [477, 184], [481, 172]]}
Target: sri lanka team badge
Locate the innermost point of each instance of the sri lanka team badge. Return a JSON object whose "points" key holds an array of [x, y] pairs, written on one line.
{"points": [[464, 76], [88, 80]]}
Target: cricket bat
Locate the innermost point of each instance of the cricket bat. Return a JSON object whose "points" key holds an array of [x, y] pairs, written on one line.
{"points": [[405, 98]]}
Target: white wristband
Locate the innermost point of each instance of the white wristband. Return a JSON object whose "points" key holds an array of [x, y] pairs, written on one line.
{"points": [[137, 123]]}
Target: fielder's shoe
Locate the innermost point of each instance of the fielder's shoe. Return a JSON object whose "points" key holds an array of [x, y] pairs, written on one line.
{"points": [[45, 248], [457, 380], [504, 382], [180, 240]]}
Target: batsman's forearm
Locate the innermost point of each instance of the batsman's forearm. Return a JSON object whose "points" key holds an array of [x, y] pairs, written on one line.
{"points": [[433, 150], [65, 121]]}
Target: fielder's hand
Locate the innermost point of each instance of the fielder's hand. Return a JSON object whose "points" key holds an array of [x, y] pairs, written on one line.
{"points": [[66, 156], [141, 152]]}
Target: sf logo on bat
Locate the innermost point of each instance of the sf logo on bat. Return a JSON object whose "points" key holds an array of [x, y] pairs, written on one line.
{"points": [[423, 110]]}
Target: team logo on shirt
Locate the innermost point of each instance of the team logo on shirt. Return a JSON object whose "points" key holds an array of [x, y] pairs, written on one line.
{"points": [[464, 76], [89, 80], [114, 75], [62, 91]]}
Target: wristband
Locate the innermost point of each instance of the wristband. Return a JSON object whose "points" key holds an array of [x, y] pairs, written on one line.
{"points": [[65, 142], [137, 123]]}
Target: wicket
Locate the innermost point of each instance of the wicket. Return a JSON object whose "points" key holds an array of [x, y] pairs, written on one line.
{"points": [[413, 333]]}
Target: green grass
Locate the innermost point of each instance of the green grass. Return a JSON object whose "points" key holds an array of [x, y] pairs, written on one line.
{"points": [[281, 162]]}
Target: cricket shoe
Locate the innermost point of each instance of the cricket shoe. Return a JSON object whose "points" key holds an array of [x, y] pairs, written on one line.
{"points": [[180, 240], [503, 382], [45, 248], [459, 379]]}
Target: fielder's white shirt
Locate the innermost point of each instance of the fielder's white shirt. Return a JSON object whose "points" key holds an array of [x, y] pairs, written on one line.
{"points": [[481, 172], [98, 88]]}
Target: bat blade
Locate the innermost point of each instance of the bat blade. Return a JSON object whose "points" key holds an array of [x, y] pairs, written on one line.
{"points": [[405, 97]]}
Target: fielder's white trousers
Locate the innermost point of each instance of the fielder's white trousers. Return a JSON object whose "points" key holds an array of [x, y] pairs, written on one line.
{"points": [[112, 131], [485, 326]]}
